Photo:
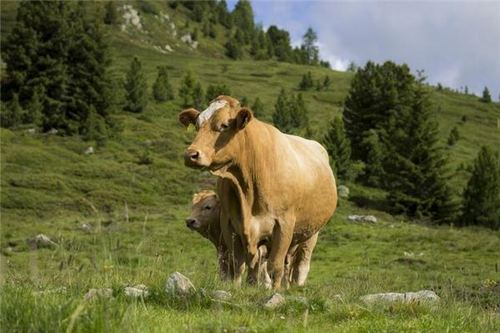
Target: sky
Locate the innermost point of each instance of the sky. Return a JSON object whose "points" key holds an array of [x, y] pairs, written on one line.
{"points": [[456, 43]]}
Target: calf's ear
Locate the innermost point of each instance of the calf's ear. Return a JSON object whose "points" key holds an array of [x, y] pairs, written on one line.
{"points": [[188, 116], [243, 117]]}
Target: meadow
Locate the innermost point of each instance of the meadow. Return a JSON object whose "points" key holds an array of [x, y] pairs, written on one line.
{"points": [[134, 193]]}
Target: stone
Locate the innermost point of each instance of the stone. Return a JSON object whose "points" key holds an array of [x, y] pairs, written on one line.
{"points": [[31, 130], [178, 284], [86, 227], [131, 17], [422, 296], [94, 293], [362, 218], [137, 291], [41, 241], [343, 191], [52, 131], [89, 150], [221, 295], [275, 301]]}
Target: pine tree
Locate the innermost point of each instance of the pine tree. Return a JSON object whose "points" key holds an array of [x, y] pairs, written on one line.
{"points": [[298, 112], [198, 96], [244, 101], [223, 14], [33, 114], [281, 115], [233, 49], [339, 148], [162, 90], [258, 107], [352, 67], [243, 19], [310, 39], [12, 113], [373, 172], [186, 90], [327, 82], [454, 136], [415, 167], [307, 82], [486, 98], [135, 88], [111, 13], [481, 198]]}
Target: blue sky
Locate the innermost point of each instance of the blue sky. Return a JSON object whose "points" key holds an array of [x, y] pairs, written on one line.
{"points": [[457, 43]]}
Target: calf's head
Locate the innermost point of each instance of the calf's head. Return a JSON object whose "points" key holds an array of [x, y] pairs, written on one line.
{"points": [[205, 212], [217, 126]]}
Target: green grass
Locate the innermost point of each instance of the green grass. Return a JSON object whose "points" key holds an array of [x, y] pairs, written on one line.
{"points": [[137, 209]]}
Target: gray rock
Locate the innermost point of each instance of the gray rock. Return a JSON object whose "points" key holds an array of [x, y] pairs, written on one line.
{"points": [[275, 301], [89, 151], [343, 191], [137, 291], [422, 296], [31, 130], [86, 227], [178, 284], [98, 293], [52, 131], [362, 218], [221, 295], [40, 241]]}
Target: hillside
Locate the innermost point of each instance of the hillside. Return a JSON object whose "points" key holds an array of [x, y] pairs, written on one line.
{"points": [[135, 193]]}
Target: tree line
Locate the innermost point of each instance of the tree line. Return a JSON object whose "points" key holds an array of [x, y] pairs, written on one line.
{"points": [[388, 127]]}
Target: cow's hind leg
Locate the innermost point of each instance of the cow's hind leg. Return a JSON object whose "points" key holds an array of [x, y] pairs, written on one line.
{"points": [[302, 260], [281, 240]]}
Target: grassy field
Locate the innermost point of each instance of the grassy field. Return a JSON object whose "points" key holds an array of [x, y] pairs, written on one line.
{"points": [[135, 193]]}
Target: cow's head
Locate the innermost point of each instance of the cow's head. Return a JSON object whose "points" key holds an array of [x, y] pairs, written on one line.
{"points": [[205, 212], [214, 145]]}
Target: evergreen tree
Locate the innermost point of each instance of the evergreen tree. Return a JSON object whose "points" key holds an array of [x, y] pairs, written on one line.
{"points": [[12, 113], [466, 90], [243, 19], [352, 67], [279, 44], [244, 101], [198, 97], [298, 112], [186, 90], [373, 172], [415, 167], [223, 14], [233, 49], [486, 98], [454, 136], [111, 13], [327, 82], [310, 39], [33, 114], [281, 115], [135, 88], [481, 198], [162, 90], [307, 82], [213, 91], [258, 107], [339, 148]]}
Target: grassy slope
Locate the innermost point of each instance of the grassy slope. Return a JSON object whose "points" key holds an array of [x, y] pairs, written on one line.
{"points": [[49, 186]]}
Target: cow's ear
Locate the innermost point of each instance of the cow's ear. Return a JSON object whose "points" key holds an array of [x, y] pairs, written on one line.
{"points": [[188, 116], [243, 117]]}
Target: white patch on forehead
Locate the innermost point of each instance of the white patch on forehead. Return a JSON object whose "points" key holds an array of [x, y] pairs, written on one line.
{"points": [[210, 111]]}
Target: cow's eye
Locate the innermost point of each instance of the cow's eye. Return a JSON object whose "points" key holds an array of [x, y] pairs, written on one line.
{"points": [[207, 207], [223, 127]]}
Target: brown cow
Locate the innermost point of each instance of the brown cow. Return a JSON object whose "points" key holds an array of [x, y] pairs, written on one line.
{"points": [[205, 219], [277, 182]]}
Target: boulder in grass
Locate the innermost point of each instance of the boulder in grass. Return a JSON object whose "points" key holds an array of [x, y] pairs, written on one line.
{"points": [[362, 218], [137, 291], [422, 296], [274, 302], [41, 241], [221, 295], [343, 191], [178, 284], [94, 293]]}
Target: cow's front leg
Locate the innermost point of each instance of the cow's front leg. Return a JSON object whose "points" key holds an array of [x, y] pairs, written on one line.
{"points": [[281, 240]]}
